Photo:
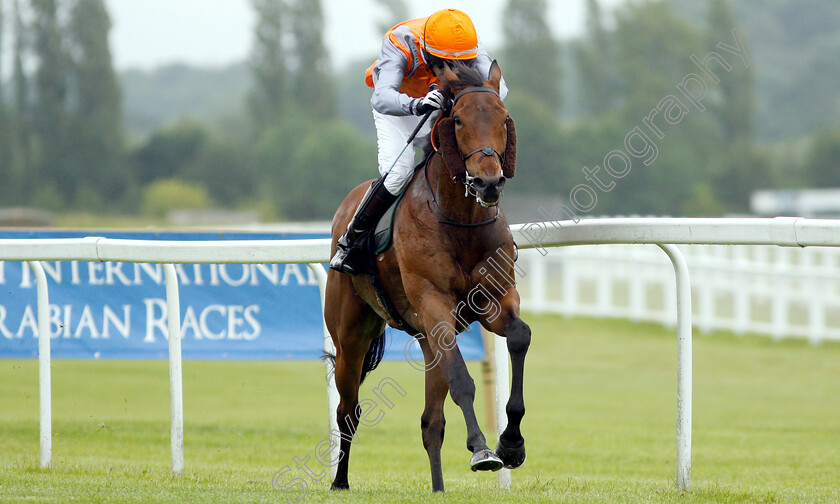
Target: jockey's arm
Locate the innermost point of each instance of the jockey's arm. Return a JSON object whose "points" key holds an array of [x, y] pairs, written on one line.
{"points": [[388, 75], [389, 72]]}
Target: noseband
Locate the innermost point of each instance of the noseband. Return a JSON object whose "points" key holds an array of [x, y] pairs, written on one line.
{"points": [[486, 151]]}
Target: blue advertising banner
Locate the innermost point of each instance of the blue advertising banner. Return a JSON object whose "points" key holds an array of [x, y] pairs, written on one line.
{"points": [[228, 311]]}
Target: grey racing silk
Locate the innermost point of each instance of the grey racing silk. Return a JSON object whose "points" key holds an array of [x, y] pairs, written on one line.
{"points": [[390, 70]]}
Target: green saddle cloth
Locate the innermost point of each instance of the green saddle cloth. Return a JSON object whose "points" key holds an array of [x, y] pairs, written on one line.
{"points": [[383, 234]]}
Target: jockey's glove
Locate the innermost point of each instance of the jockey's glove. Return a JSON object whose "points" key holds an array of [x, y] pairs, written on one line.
{"points": [[432, 101]]}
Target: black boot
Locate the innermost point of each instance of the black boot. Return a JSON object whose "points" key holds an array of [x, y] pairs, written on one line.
{"points": [[350, 253]]}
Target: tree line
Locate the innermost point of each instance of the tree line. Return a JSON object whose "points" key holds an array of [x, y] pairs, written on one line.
{"points": [[290, 154], [61, 131], [623, 76]]}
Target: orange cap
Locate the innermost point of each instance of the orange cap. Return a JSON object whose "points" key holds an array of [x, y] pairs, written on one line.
{"points": [[450, 34]]}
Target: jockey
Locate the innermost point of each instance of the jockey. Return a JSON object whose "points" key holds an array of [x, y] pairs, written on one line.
{"points": [[402, 80]]}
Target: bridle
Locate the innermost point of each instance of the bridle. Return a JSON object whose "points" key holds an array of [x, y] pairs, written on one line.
{"points": [[447, 219], [469, 180], [486, 151]]}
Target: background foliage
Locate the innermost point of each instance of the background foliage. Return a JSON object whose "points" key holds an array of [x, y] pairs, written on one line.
{"points": [[288, 134]]}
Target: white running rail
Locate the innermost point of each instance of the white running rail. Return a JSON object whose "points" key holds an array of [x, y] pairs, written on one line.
{"points": [[665, 232]]}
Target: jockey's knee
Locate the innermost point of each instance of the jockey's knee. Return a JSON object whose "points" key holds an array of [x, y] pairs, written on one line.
{"points": [[396, 180]]}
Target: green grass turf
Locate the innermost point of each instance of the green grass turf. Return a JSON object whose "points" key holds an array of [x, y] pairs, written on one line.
{"points": [[600, 426]]}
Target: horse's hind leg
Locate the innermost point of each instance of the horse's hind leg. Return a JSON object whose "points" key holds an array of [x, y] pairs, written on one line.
{"points": [[352, 325], [433, 422], [348, 373]]}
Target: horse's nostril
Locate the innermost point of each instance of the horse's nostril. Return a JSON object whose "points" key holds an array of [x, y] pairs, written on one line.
{"points": [[480, 183]]}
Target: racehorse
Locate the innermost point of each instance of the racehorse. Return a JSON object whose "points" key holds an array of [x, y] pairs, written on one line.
{"points": [[451, 263]]}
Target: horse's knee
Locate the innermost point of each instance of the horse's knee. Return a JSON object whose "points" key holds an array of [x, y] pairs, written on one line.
{"points": [[431, 418], [347, 416], [345, 408], [432, 426], [518, 335]]}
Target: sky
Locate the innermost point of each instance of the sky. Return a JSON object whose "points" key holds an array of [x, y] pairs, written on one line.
{"points": [[150, 33]]}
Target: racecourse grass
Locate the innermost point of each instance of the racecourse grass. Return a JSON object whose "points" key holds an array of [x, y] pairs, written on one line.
{"points": [[600, 426]]}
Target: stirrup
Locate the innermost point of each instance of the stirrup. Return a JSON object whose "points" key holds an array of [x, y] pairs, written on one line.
{"points": [[350, 256], [344, 261]]}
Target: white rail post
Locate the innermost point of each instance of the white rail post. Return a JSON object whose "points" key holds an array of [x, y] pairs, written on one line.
{"points": [[176, 390], [684, 366], [44, 363], [500, 355], [670, 315], [332, 391]]}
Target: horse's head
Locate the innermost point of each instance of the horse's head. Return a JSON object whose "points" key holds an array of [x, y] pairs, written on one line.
{"points": [[477, 138]]}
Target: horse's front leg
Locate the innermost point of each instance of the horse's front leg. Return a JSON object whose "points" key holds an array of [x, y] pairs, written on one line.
{"points": [[501, 316], [438, 319], [511, 447]]}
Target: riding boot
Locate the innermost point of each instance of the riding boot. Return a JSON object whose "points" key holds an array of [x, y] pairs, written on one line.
{"points": [[350, 252]]}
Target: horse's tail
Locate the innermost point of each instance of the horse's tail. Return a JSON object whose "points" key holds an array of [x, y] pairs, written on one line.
{"points": [[329, 357], [374, 355], [372, 358]]}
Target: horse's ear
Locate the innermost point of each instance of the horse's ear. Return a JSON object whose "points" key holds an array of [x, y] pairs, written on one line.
{"points": [[448, 74], [449, 148], [495, 75], [509, 166], [438, 71]]}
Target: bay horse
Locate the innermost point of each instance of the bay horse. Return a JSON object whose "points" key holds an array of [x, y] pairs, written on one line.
{"points": [[451, 263]]}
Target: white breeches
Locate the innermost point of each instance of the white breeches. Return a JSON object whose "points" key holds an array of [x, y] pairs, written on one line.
{"points": [[392, 133]]}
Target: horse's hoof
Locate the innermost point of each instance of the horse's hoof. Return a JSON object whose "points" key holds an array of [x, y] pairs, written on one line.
{"points": [[485, 460], [512, 457], [340, 486]]}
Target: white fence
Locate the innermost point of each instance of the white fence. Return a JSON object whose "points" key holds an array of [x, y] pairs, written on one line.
{"points": [[665, 233], [168, 253], [779, 291]]}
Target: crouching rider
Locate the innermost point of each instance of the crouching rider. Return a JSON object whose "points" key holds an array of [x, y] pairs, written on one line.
{"points": [[404, 90]]}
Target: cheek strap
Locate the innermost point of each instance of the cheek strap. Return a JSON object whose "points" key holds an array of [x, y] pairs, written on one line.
{"points": [[449, 149], [509, 156]]}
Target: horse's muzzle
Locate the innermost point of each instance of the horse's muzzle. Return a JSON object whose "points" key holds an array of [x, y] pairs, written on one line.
{"points": [[489, 190]]}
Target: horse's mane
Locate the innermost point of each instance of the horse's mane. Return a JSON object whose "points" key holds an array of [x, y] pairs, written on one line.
{"points": [[467, 76]]}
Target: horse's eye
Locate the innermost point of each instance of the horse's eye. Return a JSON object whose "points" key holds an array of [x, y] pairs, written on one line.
{"points": [[457, 120]]}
